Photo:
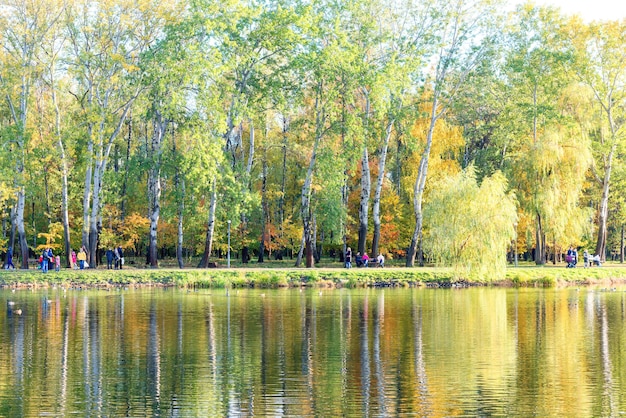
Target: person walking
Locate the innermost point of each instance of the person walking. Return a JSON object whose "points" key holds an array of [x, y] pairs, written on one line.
{"points": [[109, 255], [10, 259], [44, 260], [348, 258], [82, 257]]}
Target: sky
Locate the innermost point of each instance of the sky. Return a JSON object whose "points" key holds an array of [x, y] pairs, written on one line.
{"points": [[590, 9]]}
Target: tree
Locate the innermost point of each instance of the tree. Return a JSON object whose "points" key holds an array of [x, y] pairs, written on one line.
{"points": [[462, 32], [549, 154], [107, 43], [23, 28], [600, 64], [471, 225], [168, 71]]}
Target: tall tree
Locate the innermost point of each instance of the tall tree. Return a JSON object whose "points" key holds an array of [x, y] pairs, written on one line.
{"points": [[536, 84], [53, 51], [23, 27], [601, 65], [463, 29], [107, 43], [168, 72]]}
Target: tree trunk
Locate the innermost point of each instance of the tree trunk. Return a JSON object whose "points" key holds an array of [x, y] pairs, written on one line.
{"points": [[21, 232], [64, 206], [319, 249], [379, 188], [314, 241], [603, 212], [93, 220], [264, 208], [306, 211], [64, 174], [180, 186], [87, 191], [344, 187], [179, 241], [364, 201], [11, 240], [420, 184], [154, 185], [366, 182], [540, 243], [208, 242], [281, 202], [126, 171], [300, 251], [103, 151]]}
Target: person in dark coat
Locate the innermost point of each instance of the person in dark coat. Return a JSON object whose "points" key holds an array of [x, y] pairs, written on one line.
{"points": [[10, 259], [110, 257], [348, 258], [120, 254]]}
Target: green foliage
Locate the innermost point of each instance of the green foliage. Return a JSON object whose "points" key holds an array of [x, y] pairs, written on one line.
{"points": [[471, 226], [319, 76]]}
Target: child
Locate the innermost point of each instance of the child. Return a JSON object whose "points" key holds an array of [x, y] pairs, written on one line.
{"points": [[57, 263]]}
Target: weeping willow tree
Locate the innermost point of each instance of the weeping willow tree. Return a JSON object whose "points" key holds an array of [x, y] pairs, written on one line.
{"points": [[549, 176], [470, 226]]}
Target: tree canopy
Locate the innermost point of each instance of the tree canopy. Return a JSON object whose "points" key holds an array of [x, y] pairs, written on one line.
{"points": [[452, 129]]}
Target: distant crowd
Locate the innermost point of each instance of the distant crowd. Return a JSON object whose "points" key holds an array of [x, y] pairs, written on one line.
{"points": [[571, 258], [362, 260], [48, 261]]}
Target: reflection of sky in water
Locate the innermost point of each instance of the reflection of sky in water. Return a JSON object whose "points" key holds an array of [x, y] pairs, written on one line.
{"points": [[337, 352]]}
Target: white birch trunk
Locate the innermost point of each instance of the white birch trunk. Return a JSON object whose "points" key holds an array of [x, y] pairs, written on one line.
{"points": [[208, 242], [379, 188], [420, 184], [366, 182], [102, 156], [21, 231], [306, 189], [154, 185]]}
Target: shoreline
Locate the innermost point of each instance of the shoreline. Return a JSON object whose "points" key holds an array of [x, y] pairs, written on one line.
{"points": [[432, 277]]}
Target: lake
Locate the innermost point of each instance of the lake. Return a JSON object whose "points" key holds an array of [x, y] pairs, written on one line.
{"points": [[330, 352]]}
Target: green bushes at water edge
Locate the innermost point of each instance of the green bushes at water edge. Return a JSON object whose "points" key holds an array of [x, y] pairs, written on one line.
{"points": [[549, 276], [272, 278]]}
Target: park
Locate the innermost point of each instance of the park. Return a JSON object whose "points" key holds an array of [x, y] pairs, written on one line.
{"points": [[189, 190]]}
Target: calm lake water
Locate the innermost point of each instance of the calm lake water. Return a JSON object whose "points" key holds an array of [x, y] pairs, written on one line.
{"points": [[365, 352]]}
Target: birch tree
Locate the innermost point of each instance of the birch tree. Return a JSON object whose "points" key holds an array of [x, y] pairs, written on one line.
{"points": [[23, 27], [463, 29], [107, 43], [54, 50]]}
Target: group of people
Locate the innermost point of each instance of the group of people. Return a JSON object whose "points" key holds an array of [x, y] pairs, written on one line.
{"points": [[48, 260], [589, 260], [115, 256], [362, 260]]}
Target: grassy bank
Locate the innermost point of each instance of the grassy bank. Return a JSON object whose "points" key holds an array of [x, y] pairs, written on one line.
{"points": [[323, 277]]}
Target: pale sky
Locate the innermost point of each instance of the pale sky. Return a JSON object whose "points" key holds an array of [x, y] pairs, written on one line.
{"points": [[590, 9]]}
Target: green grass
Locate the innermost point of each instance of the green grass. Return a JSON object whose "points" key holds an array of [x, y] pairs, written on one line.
{"points": [[284, 276]]}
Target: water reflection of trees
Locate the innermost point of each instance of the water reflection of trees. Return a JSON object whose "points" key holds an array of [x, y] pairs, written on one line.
{"points": [[338, 353]]}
